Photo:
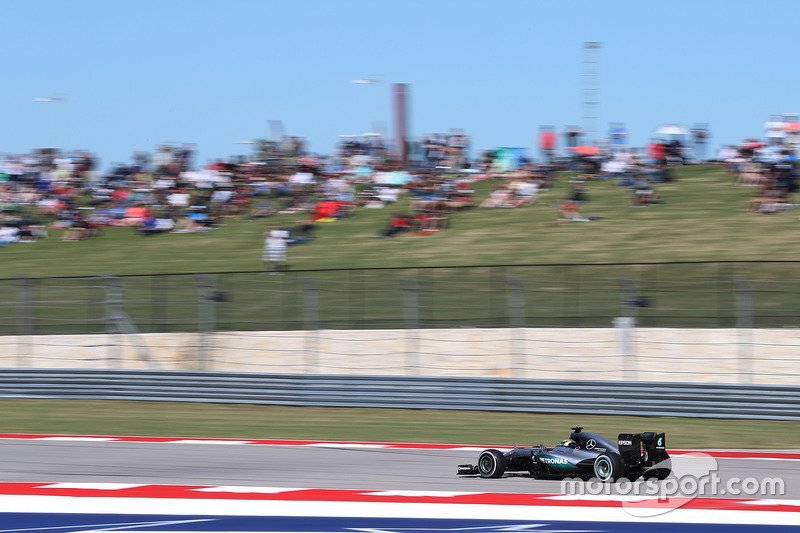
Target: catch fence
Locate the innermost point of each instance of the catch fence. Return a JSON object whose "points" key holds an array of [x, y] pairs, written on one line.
{"points": [[590, 317]]}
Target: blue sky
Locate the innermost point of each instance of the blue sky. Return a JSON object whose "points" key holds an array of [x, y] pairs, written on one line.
{"points": [[137, 74]]}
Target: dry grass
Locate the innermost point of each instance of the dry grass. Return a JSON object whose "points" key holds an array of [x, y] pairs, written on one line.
{"points": [[95, 417]]}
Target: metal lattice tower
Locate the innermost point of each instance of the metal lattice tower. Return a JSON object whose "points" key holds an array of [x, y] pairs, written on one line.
{"points": [[591, 90]]}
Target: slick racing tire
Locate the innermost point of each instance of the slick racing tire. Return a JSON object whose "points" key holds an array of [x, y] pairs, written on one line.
{"points": [[608, 467], [491, 463]]}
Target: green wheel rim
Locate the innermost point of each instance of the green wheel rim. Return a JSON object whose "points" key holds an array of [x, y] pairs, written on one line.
{"points": [[603, 469]]}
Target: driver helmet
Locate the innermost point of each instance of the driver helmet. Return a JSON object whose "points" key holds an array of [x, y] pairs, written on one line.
{"points": [[569, 443]]}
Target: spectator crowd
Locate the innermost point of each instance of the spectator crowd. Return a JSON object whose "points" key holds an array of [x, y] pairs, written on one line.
{"points": [[166, 192]]}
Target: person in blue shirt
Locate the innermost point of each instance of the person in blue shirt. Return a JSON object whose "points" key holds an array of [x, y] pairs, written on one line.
{"points": [[617, 136]]}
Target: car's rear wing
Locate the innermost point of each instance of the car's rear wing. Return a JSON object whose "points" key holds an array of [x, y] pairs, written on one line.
{"points": [[642, 449], [655, 444], [630, 448]]}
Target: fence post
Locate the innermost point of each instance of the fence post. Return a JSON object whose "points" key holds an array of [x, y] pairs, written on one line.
{"points": [[311, 323], [158, 303], [516, 323], [206, 319], [626, 328], [114, 298], [355, 291], [24, 320], [744, 328], [411, 324]]}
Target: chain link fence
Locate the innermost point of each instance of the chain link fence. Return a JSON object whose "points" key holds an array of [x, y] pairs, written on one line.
{"points": [[625, 321]]}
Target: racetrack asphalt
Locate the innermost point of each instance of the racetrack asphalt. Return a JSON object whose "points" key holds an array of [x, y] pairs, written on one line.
{"points": [[328, 467]]}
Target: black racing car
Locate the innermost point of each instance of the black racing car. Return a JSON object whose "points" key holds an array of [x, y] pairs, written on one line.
{"points": [[584, 455]]}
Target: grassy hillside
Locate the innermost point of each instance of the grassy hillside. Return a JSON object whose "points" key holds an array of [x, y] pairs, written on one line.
{"points": [[705, 217]]}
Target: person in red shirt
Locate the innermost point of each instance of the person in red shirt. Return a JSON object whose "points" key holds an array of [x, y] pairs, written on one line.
{"points": [[657, 151], [548, 140], [120, 195], [397, 224], [569, 211]]}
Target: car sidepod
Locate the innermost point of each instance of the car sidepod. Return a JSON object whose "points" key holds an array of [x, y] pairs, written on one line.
{"points": [[562, 461]]}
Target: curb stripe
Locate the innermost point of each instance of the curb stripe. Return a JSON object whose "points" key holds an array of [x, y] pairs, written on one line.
{"points": [[288, 494]]}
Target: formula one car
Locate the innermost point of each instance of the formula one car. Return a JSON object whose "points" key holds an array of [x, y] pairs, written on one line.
{"points": [[583, 455]]}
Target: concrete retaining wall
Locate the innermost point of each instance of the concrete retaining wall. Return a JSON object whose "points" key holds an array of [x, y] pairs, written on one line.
{"points": [[644, 354]]}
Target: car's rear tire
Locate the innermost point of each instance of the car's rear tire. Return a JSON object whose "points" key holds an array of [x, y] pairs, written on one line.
{"points": [[491, 463], [608, 467]]}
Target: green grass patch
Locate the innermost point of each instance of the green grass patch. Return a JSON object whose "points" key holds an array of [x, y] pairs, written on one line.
{"points": [[167, 419]]}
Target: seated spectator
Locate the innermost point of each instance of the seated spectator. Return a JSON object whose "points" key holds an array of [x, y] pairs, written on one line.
{"points": [[458, 200], [200, 215], [430, 204], [388, 195], [300, 233], [526, 193], [578, 195], [8, 235], [100, 195], [239, 205], [102, 216], [120, 195], [50, 206], [31, 232], [500, 197], [220, 201], [179, 199], [644, 195], [432, 196], [749, 173], [430, 223], [134, 216], [298, 203], [770, 199], [324, 211], [399, 223], [154, 226], [77, 231], [147, 226], [196, 220], [264, 209], [568, 211]]}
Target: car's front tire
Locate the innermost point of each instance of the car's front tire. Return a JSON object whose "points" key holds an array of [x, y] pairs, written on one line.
{"points": [[608, 467], [491, 463]]}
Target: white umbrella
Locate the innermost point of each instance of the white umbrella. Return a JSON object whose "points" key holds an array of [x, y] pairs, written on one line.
{"points": [[672, 129]]}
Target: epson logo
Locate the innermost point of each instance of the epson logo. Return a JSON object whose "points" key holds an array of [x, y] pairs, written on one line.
{"points": [[626, 443], [553, 461]]}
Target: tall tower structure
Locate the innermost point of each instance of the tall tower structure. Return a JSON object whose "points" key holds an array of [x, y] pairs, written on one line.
{"points": [[400, 93], [591, 90]]}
